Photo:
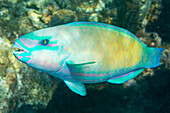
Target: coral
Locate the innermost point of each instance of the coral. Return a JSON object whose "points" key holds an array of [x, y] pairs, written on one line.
{"points": [[20, 84], [131, 14], [62, 16], [91, 6], [35, 19], [15, 11], [154, 11], [166, 56], [39, 4], [151, 39]]}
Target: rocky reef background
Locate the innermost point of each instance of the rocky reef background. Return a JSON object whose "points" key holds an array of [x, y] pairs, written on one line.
{"points": [[26, 90]]}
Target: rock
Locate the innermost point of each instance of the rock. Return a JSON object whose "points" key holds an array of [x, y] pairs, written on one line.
{"points": [[35, 18], [62, 17], [20, 84]]}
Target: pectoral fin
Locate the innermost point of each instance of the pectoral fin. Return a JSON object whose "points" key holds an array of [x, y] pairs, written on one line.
{"points": [[76, 87], [79, 64], [126, 77], [79, 68]]}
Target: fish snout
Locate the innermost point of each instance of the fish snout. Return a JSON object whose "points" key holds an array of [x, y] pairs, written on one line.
{"points": [[20, 52], [18, 48]]}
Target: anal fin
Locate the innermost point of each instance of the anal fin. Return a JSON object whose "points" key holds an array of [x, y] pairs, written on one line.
{"points": [[76, 87], [126, 77]]}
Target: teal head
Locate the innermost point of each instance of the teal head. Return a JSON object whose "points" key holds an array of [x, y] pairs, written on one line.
{"points": [[42, 50]]}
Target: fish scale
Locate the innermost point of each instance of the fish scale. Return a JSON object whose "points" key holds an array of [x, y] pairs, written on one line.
{"points": [[86, 52]]}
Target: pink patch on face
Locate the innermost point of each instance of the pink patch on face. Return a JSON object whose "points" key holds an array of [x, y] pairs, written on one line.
{"points": [[52, 45], [19, 57], [30, 59], [22, 47]]}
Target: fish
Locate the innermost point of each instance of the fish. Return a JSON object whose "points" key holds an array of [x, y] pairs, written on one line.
{"points": [[86, 52]]}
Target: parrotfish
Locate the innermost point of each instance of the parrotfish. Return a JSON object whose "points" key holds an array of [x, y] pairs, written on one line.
{"points": [[86, 52]]}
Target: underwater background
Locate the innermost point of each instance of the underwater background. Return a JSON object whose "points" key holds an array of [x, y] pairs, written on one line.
{"points": [[27, 90]]}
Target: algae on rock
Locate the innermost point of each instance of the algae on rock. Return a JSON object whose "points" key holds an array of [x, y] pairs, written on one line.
{"points": [[20, 84]]}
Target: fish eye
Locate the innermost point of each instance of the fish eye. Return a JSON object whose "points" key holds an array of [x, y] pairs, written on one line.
{"points": [[44, 42]]}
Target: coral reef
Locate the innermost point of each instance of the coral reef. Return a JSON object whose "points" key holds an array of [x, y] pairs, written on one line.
{"points": [[21, 85], [35, 19], [62, 17]]}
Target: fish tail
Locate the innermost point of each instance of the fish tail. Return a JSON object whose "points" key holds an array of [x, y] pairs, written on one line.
{"points": [[153, 57]]}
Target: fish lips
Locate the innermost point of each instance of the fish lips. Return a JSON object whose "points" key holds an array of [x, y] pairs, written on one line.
{"points": [[21, 53]]}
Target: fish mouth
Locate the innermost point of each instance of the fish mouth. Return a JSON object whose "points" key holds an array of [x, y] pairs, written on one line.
{"points": [[21, 53], [19, 49]]}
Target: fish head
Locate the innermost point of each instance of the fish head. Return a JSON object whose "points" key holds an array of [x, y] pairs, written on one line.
{"points": [[45, 52]]}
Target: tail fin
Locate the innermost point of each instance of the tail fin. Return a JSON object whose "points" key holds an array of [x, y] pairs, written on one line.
{"points": [[153, 56]]}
